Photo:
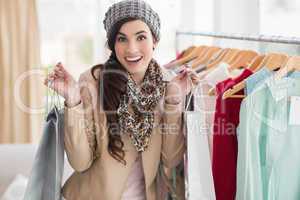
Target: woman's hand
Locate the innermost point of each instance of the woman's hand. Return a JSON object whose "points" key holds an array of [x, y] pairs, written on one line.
{"points": [[180, 86], [64, 84]]}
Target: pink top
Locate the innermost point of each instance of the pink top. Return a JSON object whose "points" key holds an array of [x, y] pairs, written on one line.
{"points": [[135, 187]]}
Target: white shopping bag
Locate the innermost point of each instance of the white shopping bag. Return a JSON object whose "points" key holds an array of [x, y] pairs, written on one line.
{"points": [[199, 177]]}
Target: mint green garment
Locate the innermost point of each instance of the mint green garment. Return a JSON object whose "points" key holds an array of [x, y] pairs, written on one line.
{"points": [[268, 166]]}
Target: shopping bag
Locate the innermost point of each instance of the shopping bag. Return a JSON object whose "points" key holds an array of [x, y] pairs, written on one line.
{"points": [[46, 175], [199, 177], [197, 165]]}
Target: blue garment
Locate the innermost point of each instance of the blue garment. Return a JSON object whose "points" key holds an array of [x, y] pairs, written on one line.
{"points": [[268, 146], [259, 77], [256, 79]]}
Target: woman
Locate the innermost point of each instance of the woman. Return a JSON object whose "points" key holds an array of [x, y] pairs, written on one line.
{"points": [[122, 119]]}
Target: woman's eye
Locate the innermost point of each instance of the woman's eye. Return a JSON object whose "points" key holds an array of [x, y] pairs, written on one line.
{"points": [[141, 37], [121, 39]]}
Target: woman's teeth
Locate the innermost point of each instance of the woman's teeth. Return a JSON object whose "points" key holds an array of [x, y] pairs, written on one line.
{"points": [[133, 59]]}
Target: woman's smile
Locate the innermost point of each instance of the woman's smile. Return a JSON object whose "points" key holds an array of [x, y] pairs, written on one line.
{"points": [[133, 60]]}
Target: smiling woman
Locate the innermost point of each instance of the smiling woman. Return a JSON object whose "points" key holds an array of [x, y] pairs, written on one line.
{"points": [[123, 121], [134, 50]]}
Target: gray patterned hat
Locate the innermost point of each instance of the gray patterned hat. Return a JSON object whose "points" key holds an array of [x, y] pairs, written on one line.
{"points": [[132, 9]]}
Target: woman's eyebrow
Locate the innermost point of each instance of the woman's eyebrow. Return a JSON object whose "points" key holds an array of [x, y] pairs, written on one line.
{"points": [[121, 33], [139, 32]]}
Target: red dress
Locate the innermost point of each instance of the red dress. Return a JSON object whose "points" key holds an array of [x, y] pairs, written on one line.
{"points": [[224, 139]]}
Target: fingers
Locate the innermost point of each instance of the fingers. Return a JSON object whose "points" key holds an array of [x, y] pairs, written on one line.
{"points": [[195, 79], [182, 74], [49, 80], [189, 73], [58, 72], [61, 68]]}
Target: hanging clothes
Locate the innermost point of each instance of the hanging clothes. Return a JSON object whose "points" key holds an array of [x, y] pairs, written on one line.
{"points": [[256, 79], [205, 104], [224, 139], [268, 159], [199, 135]]}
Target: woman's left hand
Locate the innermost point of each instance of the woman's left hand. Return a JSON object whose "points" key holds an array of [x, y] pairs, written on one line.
{"points": [[180, 86]]}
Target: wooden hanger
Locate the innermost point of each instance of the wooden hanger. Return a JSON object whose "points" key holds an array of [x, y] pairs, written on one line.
{"points": [[243, 59], [192, 55], [205, 58], [188, 51], [215, 58], [201, 54], [276, 61], [272, 61], [255, 62], [255, 65], [229, 58], [219, 58], [293, 64], [182, 54]]}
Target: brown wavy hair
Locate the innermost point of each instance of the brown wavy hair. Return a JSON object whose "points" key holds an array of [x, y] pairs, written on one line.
{"points": [[112, 86]]}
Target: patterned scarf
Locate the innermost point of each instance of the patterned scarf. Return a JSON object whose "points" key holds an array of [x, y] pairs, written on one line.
{"points": [[143, 100]]}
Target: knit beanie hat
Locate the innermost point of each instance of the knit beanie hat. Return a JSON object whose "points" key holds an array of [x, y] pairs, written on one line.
{"points": [[138, 9]]}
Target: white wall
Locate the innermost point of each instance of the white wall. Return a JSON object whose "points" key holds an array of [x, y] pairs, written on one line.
{"points": [[278, 17], [237, 16], [197, 15], [230, 16]]}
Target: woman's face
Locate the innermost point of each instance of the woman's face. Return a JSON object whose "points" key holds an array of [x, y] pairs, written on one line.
{"points": [[134, 48]]}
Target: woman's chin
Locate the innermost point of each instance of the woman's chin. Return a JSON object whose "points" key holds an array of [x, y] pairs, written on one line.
{"points": [[135, 68]]}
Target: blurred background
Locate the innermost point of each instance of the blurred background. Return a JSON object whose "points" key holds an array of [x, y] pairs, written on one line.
{"points": [[36, 34]]}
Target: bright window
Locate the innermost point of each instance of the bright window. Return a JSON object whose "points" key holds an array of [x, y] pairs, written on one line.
{"points": [[280, 17]]}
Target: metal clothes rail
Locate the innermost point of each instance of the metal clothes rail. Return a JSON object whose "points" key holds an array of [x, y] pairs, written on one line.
{"points": [[236, 36]]}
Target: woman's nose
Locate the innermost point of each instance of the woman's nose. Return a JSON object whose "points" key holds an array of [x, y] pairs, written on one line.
{"points": [[132, 47]]}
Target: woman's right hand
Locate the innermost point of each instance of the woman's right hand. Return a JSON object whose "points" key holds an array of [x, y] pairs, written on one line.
{"points": [[64, 84]]}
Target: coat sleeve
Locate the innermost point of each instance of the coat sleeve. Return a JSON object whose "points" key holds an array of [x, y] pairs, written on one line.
{"points": [[173, 146], [79, 130]]}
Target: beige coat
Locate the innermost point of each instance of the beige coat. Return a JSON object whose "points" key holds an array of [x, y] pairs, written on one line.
{"points": [[97, 175]]}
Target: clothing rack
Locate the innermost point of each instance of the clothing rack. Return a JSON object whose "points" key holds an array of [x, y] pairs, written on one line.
{"points": [[236, 36], [243, 37]]}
